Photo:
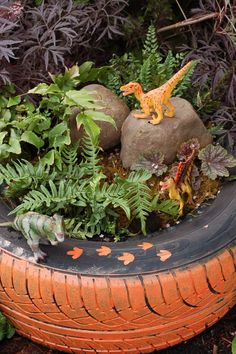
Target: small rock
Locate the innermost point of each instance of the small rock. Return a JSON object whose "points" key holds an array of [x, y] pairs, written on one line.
{"points": [[113, 106], [139, 137]]}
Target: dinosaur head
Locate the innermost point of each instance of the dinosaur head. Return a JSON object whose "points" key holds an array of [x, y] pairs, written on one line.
{"points": [[130, 88], [167, 183], [59, 227]]}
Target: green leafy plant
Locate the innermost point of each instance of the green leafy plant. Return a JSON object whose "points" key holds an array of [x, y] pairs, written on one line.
{"points": [[79, 189], [234, 346], [46, 125], [6, 329], [169, 206], [150, 68], [215, 160]]}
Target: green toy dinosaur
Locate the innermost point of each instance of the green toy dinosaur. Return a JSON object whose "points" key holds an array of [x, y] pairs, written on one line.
{"points": [[35, 226]]}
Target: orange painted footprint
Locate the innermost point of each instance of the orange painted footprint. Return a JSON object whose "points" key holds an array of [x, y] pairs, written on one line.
{"points": [[164, 255], [145, 246], [103, 251], [75, 253], [127, 258]]}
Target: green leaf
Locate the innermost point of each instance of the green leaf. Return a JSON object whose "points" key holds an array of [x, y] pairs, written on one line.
{"points": [[80, 118], [13, 101], [10, 331], [31, 138], [6, 115], [14, 143], [53, 88], [40, 89], [59, 135], [2, 136], [85, 67], [59, 129], [92, 129], [234, 346], [95, 115], [48, 158], [4, 151], [82, 98]]}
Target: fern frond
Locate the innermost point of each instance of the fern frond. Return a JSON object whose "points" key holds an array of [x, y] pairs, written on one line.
{"points": [[115, 194], [169, 206], [52, 198], [69, 155], [139, 176], [74, 228], [139, 196], [91, 159], [150, 44], [22, 174]]}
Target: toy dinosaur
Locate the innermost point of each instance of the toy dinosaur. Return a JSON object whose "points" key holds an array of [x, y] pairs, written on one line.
{"points": [[180, 184], [153, 101], [35, 226]]}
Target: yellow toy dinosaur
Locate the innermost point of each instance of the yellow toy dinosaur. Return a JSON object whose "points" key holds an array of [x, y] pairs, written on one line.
{"points": [[153, 101], [180, 184]]}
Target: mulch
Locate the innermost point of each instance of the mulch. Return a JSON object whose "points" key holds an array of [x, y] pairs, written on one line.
{"points": [[215, 340]]}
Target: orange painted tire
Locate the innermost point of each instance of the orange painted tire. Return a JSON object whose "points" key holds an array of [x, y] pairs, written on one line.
{"points": [[136, 296]]}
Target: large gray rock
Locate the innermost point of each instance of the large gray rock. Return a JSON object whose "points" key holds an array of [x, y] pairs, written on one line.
{"points": [[113, 106], [140, 137]]}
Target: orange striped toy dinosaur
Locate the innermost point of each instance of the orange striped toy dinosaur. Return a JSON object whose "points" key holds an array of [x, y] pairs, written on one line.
{"points": [[180, 184], [155, 101]]}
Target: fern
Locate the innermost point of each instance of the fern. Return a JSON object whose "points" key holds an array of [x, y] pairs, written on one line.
{"points": [[151, 44], [150, 68], [69, 155], [169, 206], [21, 175], [90, 153], [52, 198], [139, 196]]}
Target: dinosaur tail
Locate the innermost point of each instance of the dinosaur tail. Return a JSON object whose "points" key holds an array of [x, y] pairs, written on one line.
{"points": [[6, 224], [175, 79]]}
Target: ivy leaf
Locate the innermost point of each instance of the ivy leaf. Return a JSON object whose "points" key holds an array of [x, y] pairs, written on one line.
{"points": [[95, 115], [48, 158], [215, 159], [14, 143], [13, 101], [40, 89], [152, 163], [81, 98], [59, 135], [32, 138], [91, 128], [2, 136]]}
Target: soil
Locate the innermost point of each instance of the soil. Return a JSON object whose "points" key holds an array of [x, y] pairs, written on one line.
{"points": [[215, 340]]}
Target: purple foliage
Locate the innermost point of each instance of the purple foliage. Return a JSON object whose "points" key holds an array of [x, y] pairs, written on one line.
{"points": [[213, 43], [35, 40]]}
